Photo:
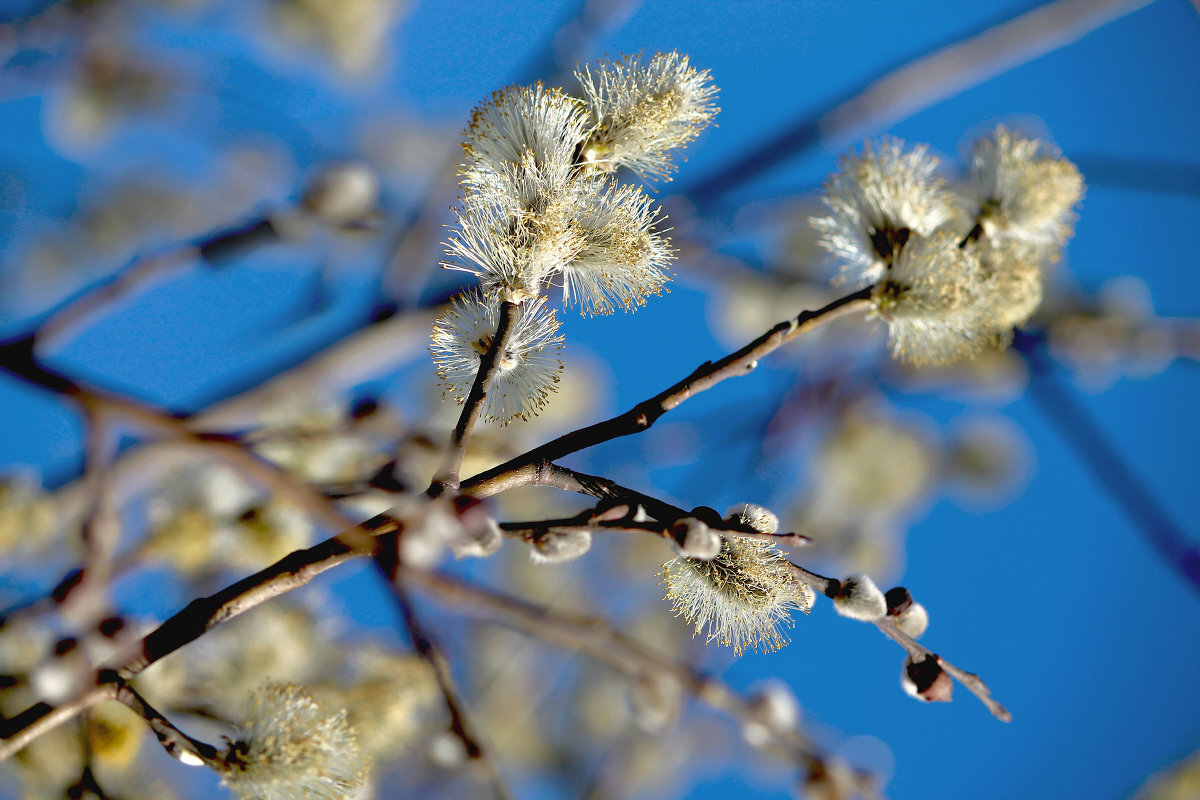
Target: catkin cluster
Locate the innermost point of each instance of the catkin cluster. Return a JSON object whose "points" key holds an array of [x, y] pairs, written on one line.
{"points": [[952, 273], [541, 206]]}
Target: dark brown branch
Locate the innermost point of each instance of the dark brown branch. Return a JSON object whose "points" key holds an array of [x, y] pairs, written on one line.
{"points": [[607, 490], [178, 744], [489, 367], [425, 646], [194, 621], [647, 412]]}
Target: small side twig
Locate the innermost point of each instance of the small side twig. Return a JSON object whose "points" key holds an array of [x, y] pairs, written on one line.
{"points": [[600, 641], [970, 680], [489, 366], [178, 744], [427, 649]]}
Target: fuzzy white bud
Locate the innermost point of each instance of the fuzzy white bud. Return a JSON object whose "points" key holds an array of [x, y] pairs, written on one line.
{"points": [[695, 539], [772, 710], [478, 540], [343, 194], [656, 700], [560, 544], [859, 598], [913, 620], [291, 747]]}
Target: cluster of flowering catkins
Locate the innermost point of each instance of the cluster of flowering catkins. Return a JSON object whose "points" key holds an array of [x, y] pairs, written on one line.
{"points": [[952, 273], [541, 206]]}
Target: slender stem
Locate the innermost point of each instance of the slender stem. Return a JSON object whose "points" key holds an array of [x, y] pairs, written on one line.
{"points": [[707, 375], [600, 641], [17, 359], [196, 619], [970, 680], [605, 489], [129, 282], [489, 367], [177, 743], [428, 649]]}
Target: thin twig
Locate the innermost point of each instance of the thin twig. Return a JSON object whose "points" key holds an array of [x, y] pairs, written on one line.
{"points": [[178, 744], [196, 619], [489, 367], [427, 649], [970, 680], [647, 412], [605, 489], [17, 358], [78, 312], [600, 641]]}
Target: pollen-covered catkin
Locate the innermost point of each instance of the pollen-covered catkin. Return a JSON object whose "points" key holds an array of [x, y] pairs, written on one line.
{"points": [[743, 597], [291, 747], [528, 369]]}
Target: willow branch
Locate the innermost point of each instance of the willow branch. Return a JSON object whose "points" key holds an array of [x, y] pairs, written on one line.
{"points": [[604, 489], [140, 276], [349, 362], [427, 649], [600, 641], [196, 619], [489, 367], [1094, 445], [177, 743], [707, 375], [17, 358], [970, 680]]}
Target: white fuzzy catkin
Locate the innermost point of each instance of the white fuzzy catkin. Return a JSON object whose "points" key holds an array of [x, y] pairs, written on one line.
{"points": [[913, 620], [754, 516], [859, 598], [936, 302], [743, 597], [876, 201], [1024, 190], [291, 747], [641, 112]]}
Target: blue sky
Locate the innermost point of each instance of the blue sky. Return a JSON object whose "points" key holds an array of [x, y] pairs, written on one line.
{"points": [[1056, 599]]}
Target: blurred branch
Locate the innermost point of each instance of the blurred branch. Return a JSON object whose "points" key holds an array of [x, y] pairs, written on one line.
{"points": [[196, 619], [920, 83], [428, 650], [597, 639], [1093, 444], [178, 744], [1141, 174]]}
